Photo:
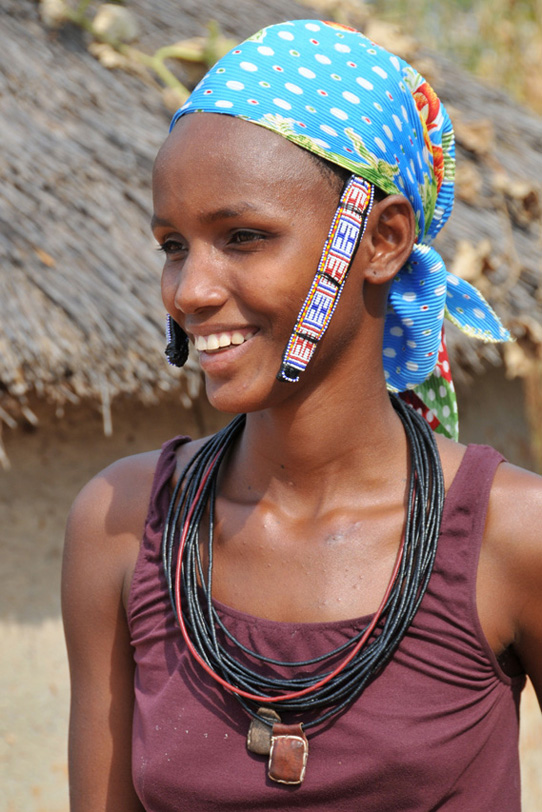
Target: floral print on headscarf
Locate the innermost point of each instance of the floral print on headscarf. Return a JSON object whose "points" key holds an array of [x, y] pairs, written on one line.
{"points": [[332, 91]]}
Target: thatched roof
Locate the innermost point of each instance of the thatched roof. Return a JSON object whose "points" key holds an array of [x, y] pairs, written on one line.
{"points": [[80, 311]]}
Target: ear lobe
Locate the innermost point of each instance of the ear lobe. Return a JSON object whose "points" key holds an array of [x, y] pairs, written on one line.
{"points": [[391, 233]]}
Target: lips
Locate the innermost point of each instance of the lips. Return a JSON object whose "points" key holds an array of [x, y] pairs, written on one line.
{"points": [[220, 341]]}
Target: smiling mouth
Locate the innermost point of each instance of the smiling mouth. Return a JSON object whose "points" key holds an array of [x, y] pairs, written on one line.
{"points": [[220, 341]]}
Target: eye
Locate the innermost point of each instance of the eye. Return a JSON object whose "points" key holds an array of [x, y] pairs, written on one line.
{"points": [[246, 237], [171, 247]]}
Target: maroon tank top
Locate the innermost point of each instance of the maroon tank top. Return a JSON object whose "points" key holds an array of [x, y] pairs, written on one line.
{"points": [[437, 729]]}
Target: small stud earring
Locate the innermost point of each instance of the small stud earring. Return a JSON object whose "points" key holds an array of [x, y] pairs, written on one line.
{"points": [[177, 343]]}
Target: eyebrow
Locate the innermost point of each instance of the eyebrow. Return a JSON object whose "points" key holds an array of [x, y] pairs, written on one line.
{"points": [[219, 214]]}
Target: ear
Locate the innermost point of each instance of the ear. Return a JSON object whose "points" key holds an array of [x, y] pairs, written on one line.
{"points": [[389, 238]]}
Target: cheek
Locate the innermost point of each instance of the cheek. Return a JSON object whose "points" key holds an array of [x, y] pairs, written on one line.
{"points": [[279, 293], [294, 272], [168, 286]]}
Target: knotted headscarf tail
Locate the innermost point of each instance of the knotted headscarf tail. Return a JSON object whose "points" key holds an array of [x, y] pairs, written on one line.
{"points": [[332, 91]]}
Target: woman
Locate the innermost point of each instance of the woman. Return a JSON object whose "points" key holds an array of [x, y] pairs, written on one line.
{"points": [[307, 533]]}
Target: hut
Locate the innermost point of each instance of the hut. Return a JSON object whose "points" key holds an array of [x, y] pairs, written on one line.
{"points": [[83, 380]]}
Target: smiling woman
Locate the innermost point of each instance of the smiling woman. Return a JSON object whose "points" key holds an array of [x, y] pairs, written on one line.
{"points": [[326, 569], [262, 229]]}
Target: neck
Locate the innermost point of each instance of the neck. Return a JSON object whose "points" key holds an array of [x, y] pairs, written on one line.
{"points": [[327, 448]]}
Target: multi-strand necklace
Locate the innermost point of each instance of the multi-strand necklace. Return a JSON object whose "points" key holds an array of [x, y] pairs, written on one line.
{"points": [[362, 657]]}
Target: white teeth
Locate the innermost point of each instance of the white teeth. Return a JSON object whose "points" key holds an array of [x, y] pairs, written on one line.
{"points": [[217, 341]]}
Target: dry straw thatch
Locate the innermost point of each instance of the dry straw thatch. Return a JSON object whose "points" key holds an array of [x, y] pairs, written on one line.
{"points": [[80, 310], [80, 307]]}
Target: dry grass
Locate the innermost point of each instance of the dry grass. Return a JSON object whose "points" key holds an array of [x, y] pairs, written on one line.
{"points": [[499, 41]]}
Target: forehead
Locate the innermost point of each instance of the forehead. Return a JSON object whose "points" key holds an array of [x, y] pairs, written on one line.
{"points": [[202, 145]]}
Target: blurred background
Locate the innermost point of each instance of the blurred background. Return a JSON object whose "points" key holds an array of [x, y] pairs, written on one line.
{"points": [[86, 93]]}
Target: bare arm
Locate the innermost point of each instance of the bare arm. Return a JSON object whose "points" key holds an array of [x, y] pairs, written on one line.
{"points": [[514, 534], [102, 542], [528, 572]]}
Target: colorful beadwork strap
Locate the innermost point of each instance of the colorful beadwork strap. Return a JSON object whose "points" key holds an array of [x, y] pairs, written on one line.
{"points": [[346, 231]]}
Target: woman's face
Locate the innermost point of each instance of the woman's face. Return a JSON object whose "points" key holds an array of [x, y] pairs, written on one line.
{"points": [[242, 216]]}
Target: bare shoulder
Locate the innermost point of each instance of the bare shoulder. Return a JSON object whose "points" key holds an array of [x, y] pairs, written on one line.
{"points": [[107, 518], [103, 535], [512, 550], [515, 504], [514, 522], [116, 499]]}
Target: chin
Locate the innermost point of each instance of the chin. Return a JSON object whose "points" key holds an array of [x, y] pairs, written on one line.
{"points": [[233, 397]]}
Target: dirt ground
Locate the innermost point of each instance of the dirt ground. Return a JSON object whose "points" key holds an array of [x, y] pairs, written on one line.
{"points": [[48, 467]]}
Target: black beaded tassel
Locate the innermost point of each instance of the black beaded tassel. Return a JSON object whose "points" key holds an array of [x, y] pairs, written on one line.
{"points": [[177, 343]]}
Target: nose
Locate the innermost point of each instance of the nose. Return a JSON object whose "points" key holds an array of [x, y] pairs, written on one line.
{"points": [[198, 282]]}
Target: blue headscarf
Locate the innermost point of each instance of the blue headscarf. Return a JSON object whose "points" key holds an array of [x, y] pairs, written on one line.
{"points": [[332, 91]]}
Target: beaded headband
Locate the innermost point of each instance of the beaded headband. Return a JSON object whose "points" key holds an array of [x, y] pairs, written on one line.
{"points": [[346, 231]]}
